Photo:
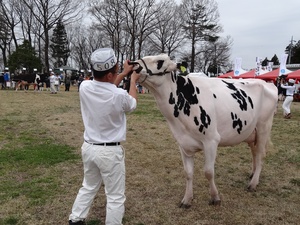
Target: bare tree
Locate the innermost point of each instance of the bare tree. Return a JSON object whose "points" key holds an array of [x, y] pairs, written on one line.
{"points": [[5, 38], [215, 56], [139, 22], [82, 46], [109, 18], [8, 12], [167, 36], [201, 23], [48, 12]]}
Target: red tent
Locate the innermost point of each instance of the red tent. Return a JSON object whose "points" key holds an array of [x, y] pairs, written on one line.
{"points": [[294, 75], [270, 76], [227, 75], [249, 74]]}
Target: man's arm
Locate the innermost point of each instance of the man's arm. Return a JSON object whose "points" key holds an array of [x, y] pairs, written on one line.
{"points": [[132, 91], [125, 72]]}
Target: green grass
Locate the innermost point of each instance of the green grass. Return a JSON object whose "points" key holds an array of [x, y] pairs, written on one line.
{"points": [[41, 168]]}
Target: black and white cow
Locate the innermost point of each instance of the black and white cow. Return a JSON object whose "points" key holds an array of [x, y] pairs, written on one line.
{"points": [[204, 113], [25, 80]]}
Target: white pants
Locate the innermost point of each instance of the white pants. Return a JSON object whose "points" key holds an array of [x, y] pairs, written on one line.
{"points": [[286, 105], [52, 88], [102, 163]]}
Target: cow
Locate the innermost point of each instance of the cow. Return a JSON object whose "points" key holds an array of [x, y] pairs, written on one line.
{"points": [[23, 81], [204, 113]]}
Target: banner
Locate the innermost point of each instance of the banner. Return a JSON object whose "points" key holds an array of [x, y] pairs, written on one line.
{"points": [[237, 66], [270, 66], [282, 69], [258, 66]]}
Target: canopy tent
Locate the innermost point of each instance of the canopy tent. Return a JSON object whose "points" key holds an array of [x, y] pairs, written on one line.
{"points": [[294, 75], [64, 68], [227, 75], [233, 74], [249, 74], [270, 76], [74, 72]]}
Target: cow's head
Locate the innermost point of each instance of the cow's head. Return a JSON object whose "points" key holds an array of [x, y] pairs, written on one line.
{"points": [[153, 65]]}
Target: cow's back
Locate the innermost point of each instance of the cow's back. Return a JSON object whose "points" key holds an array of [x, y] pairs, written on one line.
{"points": [[234, 107]]}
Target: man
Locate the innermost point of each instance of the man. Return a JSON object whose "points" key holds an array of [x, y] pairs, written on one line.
{"points": [[6, 78], [103, 108], [290, 90], [52, 83]]}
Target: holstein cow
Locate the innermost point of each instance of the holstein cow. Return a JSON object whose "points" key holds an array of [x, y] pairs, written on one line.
{"points": [[25, 80], [204, 113]]}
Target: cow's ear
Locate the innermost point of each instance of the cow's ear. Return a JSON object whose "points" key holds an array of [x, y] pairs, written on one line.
{"points": [[159, 64]]}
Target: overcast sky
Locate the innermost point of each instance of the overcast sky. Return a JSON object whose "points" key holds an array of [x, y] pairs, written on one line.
{"points": [[259, 28]]}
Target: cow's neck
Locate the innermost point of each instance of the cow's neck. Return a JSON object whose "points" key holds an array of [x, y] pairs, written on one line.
{"points": [[166, 91]]}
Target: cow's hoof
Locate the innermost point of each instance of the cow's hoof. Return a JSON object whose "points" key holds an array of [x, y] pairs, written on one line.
{"points": [[184, 206], [251, 189], [216, 202]]}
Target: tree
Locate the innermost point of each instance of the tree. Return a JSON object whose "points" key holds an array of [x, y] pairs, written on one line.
{"points": [[217, 54], [265, 62], [4, 38], [275, 60], [48, 12], [24, 57], [201, 23], [110, 19], [167, 36], [294, 52], [60, 45]]}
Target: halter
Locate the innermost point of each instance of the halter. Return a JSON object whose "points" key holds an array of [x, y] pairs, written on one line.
{"points": [[148, 70]]}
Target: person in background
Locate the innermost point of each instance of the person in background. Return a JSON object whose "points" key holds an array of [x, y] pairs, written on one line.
{"points": [[6, 78], [80, 79], [290, 90], [67, 81], [57, 82], [52, 79], [103, 108]]}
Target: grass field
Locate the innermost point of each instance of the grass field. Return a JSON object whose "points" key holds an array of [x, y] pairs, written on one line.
{"points": [[41, 169]]}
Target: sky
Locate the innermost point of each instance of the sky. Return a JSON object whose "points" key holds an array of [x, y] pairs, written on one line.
{"points": [[259, 28]]}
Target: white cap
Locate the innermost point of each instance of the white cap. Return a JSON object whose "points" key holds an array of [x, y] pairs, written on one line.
{"points": [[292, 81], [103, 59], [34, 69], [24, 68], [50, 70], [6, 68]]}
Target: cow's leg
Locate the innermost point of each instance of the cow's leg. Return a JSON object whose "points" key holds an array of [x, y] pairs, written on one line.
{"points": [[210, 153], [253, 151], [188, 165], [259, 152]]}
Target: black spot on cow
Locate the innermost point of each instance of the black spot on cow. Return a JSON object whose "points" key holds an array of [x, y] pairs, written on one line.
{"points": [[196, 121], [250, 101], [201, 129], [159, 64], [240, 96], [214, 96], [237, 123], [186, 95], [205, 120], [176, 111], [171, 99]]}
